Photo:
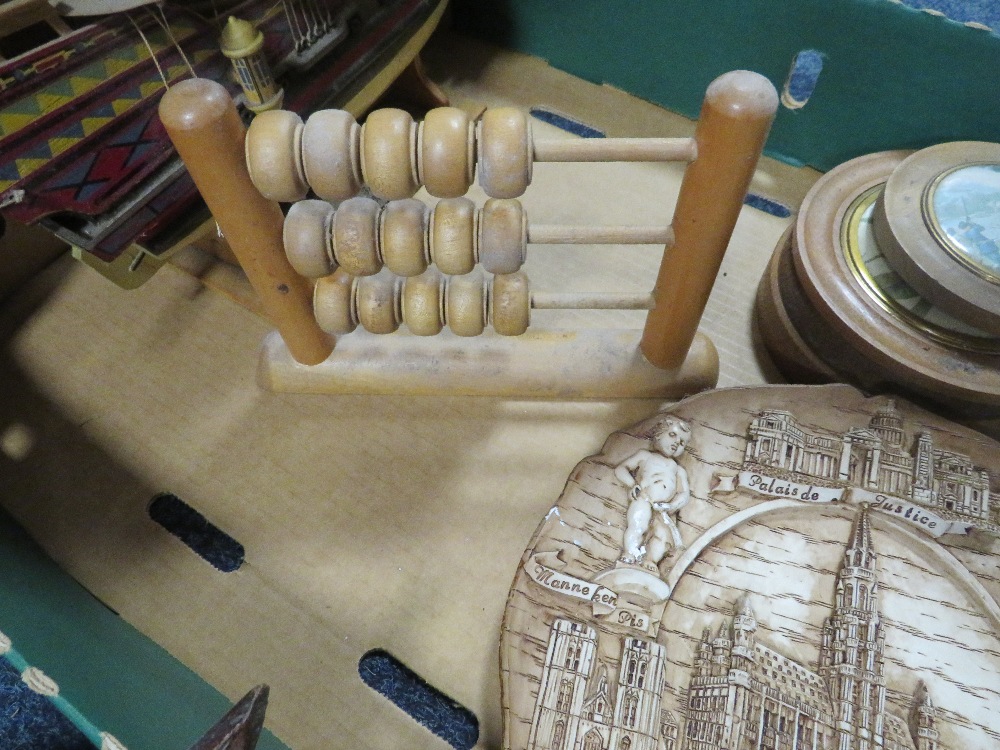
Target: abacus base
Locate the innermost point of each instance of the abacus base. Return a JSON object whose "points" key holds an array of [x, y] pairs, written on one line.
{"points": [[557, 364]]}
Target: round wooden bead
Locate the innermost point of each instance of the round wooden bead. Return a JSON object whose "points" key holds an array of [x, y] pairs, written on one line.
{"points": [[511, 303], [306, 236], [505, 152], [446, 152], [423, 303], [452, 236], [389, 154], [466, 304], [376, 302], [331, 158], [503, 235], [333, 303], [273, 151], [403, 237], [355, 236]]}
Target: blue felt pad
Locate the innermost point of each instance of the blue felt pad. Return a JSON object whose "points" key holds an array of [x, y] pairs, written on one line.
{"points": [[29, 721], [449, 720]]}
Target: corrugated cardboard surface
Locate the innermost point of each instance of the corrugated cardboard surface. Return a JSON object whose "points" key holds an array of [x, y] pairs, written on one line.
{"points": [[368, 522]]}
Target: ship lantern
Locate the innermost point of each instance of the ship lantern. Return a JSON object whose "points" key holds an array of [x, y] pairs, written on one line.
{"points": [[243, 43]]}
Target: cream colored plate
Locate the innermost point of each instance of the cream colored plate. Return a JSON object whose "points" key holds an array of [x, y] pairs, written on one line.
{"points": [[770, 567]]}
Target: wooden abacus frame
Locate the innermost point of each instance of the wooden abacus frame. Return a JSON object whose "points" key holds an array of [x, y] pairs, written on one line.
{"points": [[667, 358]]}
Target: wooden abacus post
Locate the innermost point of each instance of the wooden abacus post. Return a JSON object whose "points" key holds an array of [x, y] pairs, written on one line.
{"points": [[201, 119], [735, 118]]}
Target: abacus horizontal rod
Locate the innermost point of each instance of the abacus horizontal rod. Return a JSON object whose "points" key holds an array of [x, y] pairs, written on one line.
{"points": [[559, 234], [615, 149], [591, 301]]}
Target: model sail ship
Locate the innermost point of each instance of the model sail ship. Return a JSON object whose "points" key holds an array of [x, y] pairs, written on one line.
{"points": [[315, 29], [83, 151]]}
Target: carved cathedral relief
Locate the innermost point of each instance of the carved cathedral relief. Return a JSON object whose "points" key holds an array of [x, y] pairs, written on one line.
{"points": [[788, 568], [631, 719], [745, 694]]}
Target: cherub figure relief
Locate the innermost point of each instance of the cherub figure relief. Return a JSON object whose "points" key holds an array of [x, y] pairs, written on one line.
{"points": [[658, 488]]}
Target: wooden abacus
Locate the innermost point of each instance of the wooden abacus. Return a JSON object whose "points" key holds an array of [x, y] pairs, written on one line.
{"points": [[402, 262]]}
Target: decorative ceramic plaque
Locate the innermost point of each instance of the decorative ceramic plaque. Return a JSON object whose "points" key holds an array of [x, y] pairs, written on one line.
{"points": [[783, 567]]}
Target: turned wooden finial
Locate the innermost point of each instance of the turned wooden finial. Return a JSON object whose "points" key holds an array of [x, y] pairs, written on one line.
{"points": [[736, 116], [201, 119]]}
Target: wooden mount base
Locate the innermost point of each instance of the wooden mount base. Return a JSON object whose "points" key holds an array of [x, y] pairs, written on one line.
{"points": [[559, 364]]}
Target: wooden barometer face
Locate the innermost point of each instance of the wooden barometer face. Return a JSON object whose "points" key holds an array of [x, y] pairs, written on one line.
{"points": [[780, 567], [878, 279], [962, 209], [938, 224]]}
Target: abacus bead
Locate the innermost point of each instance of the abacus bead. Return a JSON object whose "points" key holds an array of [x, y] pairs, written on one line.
{"points": [[333, 303], [446, 152], [503, 235], [306, 236], [331, 158], [511, 304], [452, 236], [423, 302], [273, 151], [465, 304], [389, 154], [505, 152], [355, 236], [375, 301], [403, 237]]}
